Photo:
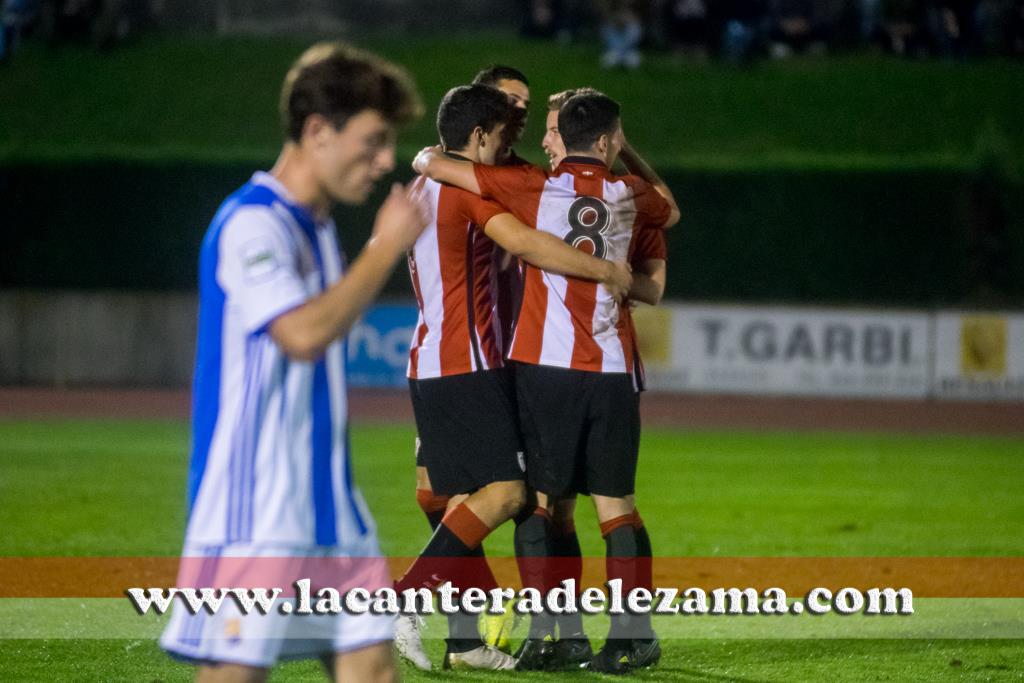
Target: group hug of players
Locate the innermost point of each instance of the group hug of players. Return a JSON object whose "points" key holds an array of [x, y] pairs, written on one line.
{"points": [[524, 371]]}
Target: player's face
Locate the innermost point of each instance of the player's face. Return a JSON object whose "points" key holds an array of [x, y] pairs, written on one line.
{"points": [[351, 160], [519, 94], [492, 145], [552, 142]]}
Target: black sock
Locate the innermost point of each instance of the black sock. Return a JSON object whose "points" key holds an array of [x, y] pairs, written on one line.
{"points": [[463, 628], [623, 550], [567, 549], [463, 632], [434, 518], [643, 545], [438, 560], [533, 547]]}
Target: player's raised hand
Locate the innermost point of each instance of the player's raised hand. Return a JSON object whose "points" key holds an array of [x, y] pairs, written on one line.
{"points": [[619, 279], [402, 216], [422, 160]]}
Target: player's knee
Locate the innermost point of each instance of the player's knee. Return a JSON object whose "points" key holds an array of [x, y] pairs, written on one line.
{"points": [[512, 495], [430, 502]]}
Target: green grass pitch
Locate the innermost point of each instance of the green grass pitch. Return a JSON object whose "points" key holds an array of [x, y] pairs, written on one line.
{"points": [[117, 488]]}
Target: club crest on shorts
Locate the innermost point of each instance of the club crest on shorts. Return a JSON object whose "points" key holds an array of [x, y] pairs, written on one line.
{"points": [[521, 457], [233, 630]]}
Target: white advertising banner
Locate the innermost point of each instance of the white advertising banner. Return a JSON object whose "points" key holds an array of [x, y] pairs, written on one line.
{"points": [[979, 356], [782, 350]]}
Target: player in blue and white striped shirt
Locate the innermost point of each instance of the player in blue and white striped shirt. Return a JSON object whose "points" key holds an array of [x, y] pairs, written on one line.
{"points": [[270, 475]]}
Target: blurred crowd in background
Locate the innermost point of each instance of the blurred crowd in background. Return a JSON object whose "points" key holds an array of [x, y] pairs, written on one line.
{"points": [[740, 30], [731, 30]]}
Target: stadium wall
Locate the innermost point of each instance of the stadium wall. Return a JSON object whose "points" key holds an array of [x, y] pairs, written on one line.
{"points": [[884, 237], [110, 338]]}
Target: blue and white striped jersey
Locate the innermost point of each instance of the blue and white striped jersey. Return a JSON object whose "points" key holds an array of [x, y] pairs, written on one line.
{"points": [[270, 453]]}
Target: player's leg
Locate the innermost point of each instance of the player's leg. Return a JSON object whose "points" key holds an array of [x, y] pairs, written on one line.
{"points": [[552, 415], [463, 629], [612, 455], [572, 649], [460, 533], [432, 505], [375, 663], [230, 673], [470, 446], [491, 504]]}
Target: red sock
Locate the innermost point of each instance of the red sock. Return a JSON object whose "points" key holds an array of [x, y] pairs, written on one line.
{"points": [[448, 554]]}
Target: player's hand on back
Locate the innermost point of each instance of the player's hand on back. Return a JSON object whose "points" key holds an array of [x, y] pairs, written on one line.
{"points": [[422, 160], [619, 279], [402, 217]]}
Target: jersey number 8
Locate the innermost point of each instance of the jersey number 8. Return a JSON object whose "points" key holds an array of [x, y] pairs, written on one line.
{"points": [[589, 218]]}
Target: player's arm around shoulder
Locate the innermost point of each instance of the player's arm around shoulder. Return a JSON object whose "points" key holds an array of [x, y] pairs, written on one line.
{"points": [[432, 163], [639, 167], [306, 331], [545, 251]]}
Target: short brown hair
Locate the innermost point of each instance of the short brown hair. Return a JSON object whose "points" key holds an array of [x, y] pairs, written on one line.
{"points": [[556, 101], [585, 117], [338, 81], [493, 74]]}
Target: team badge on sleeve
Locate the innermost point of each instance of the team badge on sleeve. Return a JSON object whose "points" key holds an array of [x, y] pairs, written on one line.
{"points": [[258, 260]]}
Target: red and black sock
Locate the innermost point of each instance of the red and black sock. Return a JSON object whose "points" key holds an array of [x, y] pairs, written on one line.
{"points": [[568, 564], [533, 549], [433, 506], [623, 561], [445, 557]]}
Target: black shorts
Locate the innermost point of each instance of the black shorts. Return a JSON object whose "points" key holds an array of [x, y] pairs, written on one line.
{"points": [[468, 430], [581, 430]]}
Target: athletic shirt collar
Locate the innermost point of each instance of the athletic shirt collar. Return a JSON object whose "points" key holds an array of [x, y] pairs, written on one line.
{"points": [[587, 161], [457, 156], [301, 213], [585, 166]]}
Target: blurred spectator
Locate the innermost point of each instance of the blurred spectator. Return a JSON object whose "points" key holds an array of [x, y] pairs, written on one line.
{"points": [[901, 28], [743, 28], [869, 16], [621, 31], [15, 17], [950, 26], [795, 28], [544, 19], [100, 22], [1016, 28], [806, 25], [688, 27]]}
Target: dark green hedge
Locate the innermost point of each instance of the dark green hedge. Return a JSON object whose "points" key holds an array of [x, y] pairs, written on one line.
{"points": [[874, 237]]}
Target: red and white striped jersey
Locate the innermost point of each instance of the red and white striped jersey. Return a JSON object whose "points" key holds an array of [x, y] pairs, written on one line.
{"points": [[453, 271], [563, 321]]}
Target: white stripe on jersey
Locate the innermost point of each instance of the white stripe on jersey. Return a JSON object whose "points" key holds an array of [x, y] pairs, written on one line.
{"points": [[427, 257], [619, 198]]}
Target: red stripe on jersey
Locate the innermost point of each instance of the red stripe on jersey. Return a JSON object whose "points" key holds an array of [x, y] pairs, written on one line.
{"points": [[451, 247], [484, 291], [627, 337], [529, 332], [581, 296]]}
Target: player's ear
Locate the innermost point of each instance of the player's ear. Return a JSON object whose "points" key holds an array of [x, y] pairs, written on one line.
{"points": [[316, 129], [478, 135], [602, 144]]}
